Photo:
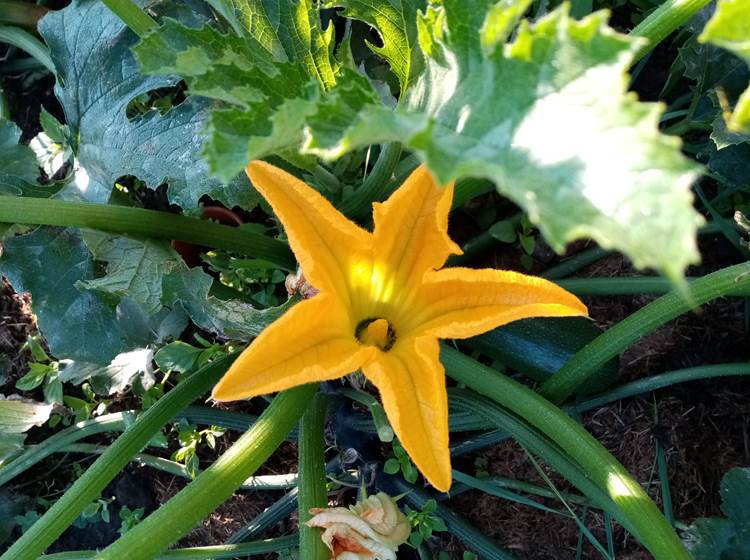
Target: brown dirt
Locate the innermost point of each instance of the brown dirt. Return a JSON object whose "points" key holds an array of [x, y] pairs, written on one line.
{"points": [[16, 324]]}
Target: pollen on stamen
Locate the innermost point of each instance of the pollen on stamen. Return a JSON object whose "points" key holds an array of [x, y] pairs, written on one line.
{"points": [[376, 332]]}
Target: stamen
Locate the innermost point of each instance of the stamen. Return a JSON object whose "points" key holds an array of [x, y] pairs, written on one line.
{"points": [[376, 332]]}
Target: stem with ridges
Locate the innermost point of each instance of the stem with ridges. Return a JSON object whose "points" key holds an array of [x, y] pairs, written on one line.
{"points": [[137, 221], [199, 552], [132, 15], [665, 19], [312, 477], [638, 510], [609, 344], [216, 484], [634, 285], [90, 485], [375, 186]]}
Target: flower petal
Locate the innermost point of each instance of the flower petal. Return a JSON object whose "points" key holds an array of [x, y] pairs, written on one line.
{"points": [[411, 381], [324, 241], [463, 302], [313, 341], [411, 227]]}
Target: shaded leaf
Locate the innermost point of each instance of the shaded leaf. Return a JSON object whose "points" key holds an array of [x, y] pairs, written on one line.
{"points": [[227, 318], [728, 539], [270, 71], [134, 267], [97, 79], [19, 169], [48, 262]]}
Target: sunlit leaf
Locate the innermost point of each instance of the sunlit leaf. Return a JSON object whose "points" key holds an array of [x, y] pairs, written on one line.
{"points": [[546, 117], [730, 29]]}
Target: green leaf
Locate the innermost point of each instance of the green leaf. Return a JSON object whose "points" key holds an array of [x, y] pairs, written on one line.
{"points": [[34, 377], [270, 72], [134, 267], [712, 538], [48, 262], [97, 79], [227, 318], [547, 117], [9, 508], [15, 159], [20, 415], [396, 21], [729, 28], [177, 356], [19, 168]]}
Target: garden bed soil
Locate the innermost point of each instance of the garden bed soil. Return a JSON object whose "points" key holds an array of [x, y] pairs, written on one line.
{"points": [[702, 426]]}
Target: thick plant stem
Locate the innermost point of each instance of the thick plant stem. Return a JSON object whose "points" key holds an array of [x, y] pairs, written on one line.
{"points": [[609, 344], [200, 552], [312, 477], [664, 20], [375, 187], [88, 488], [137, 221], [635, 285], [14, 12], [638, 510], [217, 483], [27, 42], [132, 15]]}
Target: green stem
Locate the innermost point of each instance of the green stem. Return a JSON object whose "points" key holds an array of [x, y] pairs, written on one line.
{"points": [[622, 392], [478, 542], [469, 188], [375, 187], [31, 456], [482, 242], [661, 381], [377, 412], [132, 15], [575, 263], [635, 285], [660, 23], [637, 509], [609, 344], [21, 13], [90, 485], [266, 482], [312, 477], [137, 221], [27, 42], [213, 486], [200, 552]]}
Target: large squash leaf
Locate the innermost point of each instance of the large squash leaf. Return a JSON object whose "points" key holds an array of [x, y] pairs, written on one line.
{"points": [[97, 79], [546, 117], [269, 70]]}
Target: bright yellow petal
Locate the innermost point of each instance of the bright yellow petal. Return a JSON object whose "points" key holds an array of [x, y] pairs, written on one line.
{"points": [[411, 228], [313, 341], [411, 381], [324, 241], [463, 302]]}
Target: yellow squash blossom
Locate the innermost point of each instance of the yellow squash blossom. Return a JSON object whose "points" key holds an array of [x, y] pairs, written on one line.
{"points": [[383, 303]]}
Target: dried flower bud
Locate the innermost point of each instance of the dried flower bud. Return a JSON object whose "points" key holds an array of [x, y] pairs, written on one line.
{"points": [[369, 530], [298, 284]]}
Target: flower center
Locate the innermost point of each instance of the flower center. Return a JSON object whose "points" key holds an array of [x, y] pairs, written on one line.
{"points": [[376, 332]]}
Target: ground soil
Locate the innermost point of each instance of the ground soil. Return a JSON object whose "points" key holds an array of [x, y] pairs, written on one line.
{"points": [[702, 426]]}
